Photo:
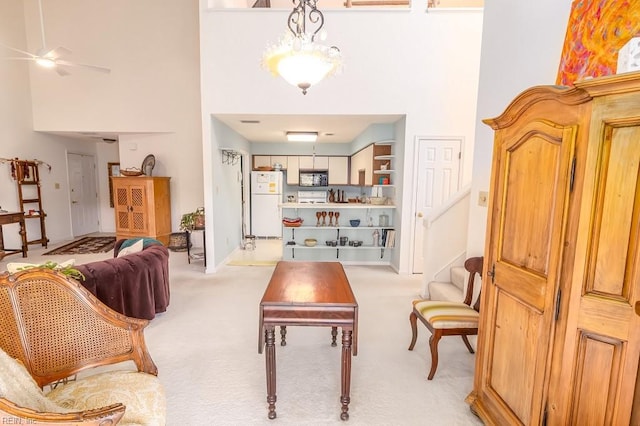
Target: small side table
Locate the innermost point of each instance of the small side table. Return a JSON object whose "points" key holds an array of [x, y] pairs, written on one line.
{"points": [[204, 246], [9, 218]]}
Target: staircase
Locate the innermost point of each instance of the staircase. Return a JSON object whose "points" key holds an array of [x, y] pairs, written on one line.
{"points": [[452, 290], [455, 289]]}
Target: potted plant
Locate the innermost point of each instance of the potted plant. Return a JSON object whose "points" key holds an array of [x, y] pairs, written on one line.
{"points": [[193, 220]]}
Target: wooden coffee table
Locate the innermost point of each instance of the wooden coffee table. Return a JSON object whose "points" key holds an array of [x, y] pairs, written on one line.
{"points": [[312, 294]]}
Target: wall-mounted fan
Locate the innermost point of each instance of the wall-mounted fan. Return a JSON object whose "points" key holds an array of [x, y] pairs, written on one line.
{"points": [[51, 58]]}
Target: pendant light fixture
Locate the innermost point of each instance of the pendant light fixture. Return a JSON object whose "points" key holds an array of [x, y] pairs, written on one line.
{"points": [[298, 57]]}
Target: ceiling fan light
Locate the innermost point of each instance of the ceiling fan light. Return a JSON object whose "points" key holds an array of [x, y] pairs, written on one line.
{"points": [[46, 62]]}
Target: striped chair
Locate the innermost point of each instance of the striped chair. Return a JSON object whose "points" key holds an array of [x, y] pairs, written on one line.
{"points": [[444, 318]]}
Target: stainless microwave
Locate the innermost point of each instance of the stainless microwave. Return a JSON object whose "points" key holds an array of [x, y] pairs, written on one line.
{"points": [[314, 178]]}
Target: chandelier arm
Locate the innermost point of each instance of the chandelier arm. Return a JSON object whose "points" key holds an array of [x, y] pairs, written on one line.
{"points": [[316, 16], [297, 21]]}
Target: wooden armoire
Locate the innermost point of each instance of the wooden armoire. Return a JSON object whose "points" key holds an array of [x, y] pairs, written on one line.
{"points": [[142, 207], [559, 335]]}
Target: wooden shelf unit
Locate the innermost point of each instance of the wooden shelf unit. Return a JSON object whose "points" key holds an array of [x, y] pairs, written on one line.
{"points": [[30, 197]]}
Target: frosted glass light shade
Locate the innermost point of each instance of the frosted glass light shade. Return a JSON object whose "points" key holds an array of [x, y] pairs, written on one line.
{"points": [[302, 62]]}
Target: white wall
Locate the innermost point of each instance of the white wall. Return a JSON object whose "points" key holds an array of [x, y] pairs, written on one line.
{"points": [[521, 47], [225, 208], [408, 62], [106, 153], [151, 98], [19, 140]]}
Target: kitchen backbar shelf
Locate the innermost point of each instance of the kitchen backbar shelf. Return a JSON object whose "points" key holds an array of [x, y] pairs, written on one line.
{"points": [[379, 216]]}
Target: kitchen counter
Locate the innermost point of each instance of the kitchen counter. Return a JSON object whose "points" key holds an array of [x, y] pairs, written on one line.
{"points": [[317, 206]]}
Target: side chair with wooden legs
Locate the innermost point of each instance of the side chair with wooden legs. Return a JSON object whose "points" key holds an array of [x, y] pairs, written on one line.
{"points": [[445, 318]]}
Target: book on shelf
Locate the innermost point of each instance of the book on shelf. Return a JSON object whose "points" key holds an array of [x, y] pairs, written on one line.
{"points": [[388, 238]]}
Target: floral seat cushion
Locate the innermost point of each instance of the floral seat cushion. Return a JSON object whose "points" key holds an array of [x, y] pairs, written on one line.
{"points": [[17, 386], [141, 393]]}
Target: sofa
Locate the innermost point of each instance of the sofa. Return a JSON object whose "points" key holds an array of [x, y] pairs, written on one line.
{"points": [[136, 285]]}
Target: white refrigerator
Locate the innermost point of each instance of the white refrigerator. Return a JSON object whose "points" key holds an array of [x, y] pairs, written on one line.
{"points": [[266, 197]]}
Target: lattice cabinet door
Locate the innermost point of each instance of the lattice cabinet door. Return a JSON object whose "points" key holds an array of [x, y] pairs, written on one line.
{"points": [[121, 205], [139, 222]]}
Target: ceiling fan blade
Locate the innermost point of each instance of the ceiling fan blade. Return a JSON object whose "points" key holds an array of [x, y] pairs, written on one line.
{"points": [[91, 67], [55, 53], [62, 72], [19, 59], [31, 55]]}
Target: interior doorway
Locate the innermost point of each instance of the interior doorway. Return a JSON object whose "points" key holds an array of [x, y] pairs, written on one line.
{"points": [[438, 177], [83, 193]]}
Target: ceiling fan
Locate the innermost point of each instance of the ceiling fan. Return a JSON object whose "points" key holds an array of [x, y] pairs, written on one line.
{"points": [[52, 58]]}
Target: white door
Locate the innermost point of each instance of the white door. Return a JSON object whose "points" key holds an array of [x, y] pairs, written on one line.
{"points": [[438, 178], [83, 194]]}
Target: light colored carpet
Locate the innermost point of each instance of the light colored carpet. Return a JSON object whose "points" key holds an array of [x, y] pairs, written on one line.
{"points": [[206, 349], [251, 262]]}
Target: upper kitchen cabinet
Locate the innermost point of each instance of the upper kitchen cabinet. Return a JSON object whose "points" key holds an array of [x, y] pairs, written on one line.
{"points": [[372, 165], [338, 170], [293, 170], [269, 161], [313, 162], [362, 166]]}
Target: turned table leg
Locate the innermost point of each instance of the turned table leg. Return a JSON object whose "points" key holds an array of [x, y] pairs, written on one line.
{"points": [[270, 357], [346, 373], [334, 334]]}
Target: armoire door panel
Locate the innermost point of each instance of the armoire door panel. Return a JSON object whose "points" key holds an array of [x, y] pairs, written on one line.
{"points": [[528, 222], [530, 178], [595, 392], [512, 379], [616, 212]]}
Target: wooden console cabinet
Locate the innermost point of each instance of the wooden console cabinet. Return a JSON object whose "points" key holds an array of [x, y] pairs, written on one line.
{"points": [[559, 336], [142, 207]]}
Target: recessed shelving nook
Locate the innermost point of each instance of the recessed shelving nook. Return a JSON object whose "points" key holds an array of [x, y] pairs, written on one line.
{"points": [[371, 242]]}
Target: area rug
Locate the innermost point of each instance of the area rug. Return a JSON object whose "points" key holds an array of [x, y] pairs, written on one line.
{"points": [[86, 245]]}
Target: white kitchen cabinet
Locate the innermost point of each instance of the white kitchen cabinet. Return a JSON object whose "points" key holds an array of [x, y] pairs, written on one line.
{"points": [[261, 161], [362, 167], [305, 162], [320, 162], [280, 159], [338, 170], [293, 170], [269, 161], [310, 162]]}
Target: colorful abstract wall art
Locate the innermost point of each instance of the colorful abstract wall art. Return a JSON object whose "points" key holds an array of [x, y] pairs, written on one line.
{"points": [[597, 29]]}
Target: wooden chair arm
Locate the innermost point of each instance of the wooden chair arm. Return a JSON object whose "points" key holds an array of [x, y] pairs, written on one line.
{"points": [[11, 413]]}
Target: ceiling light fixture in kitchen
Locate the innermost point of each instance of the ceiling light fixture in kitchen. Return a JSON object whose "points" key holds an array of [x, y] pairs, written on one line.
{"points": [[297, 57], [302, 136]]}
